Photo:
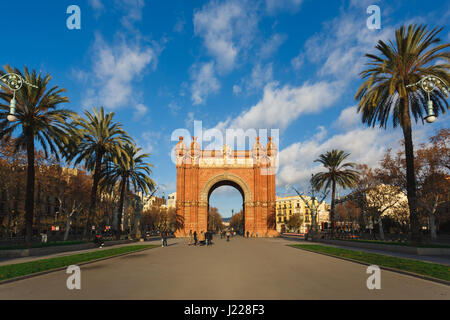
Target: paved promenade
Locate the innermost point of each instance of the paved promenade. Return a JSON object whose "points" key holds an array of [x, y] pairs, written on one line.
{"points": [[239, 269]]}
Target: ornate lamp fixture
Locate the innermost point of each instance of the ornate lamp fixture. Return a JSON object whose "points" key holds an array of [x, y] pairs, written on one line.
{"points": [[428, 84], [14, 82]]}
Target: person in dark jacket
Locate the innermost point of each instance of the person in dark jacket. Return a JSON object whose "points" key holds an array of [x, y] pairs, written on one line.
{"points": [[195, 238], [209, 238], [164, 239]]}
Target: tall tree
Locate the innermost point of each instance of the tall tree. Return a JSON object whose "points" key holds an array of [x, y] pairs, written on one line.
{"points": [[338, 174], [38, 119], [295, 222], [128, 170], [214, 220], [433, 167], [97, 138], [12, 180], [237, 221], [386, 92]]}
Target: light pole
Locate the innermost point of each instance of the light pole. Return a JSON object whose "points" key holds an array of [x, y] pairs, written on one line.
{"points": [[14, 82], [428, 84]]}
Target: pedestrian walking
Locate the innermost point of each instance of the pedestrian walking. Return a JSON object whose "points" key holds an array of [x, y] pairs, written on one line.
{"points": [[202, 238], [209, 237], [228, 235], [195, 238], [191, 239], [166, 235], [164, 239], [44, 237], [248, 234]]}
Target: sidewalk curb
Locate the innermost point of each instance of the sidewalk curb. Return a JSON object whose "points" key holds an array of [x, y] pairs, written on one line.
{"points": [[31, 275], [408, 273]]}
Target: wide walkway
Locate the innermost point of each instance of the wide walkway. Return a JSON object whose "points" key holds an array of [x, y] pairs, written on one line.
{"points": [[239, 269]]}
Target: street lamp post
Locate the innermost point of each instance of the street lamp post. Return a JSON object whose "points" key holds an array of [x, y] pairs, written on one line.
{"points": [[14, 82], [428, 84]]}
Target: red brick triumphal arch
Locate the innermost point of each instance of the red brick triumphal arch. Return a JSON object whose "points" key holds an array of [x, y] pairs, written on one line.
{"points": [[200, 172]]}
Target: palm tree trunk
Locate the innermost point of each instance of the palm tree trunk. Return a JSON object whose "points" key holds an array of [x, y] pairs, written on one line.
{"points": [[92, 206], [29, 202], [333, 193], [8, 210], [121, 202], [410, 174], [38, 210]]}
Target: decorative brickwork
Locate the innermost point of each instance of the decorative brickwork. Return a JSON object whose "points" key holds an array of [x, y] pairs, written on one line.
{"points": [[200, 172]]}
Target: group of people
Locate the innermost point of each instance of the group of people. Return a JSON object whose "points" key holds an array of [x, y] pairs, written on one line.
{"points": [[203, 238], [226, 234]]}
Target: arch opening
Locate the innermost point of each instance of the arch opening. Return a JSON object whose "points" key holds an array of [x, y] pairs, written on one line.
{"points": [[225, 207]]}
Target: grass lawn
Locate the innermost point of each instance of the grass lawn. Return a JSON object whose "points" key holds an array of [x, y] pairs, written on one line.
{"points": [[22, 269], [398, 243], [43, 245], [420, 267]]}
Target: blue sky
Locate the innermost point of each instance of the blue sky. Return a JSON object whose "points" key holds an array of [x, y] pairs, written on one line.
{"points": [[290, 65]]}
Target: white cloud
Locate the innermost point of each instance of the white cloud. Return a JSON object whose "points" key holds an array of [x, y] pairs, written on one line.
{"points": [[132, 11], [148, 141], [274, 6], [297, 62], [226, 28], [141, 110], [179, 25], [341, 45], [189, 121], [97, 5], [174, 107], [363, 3], [365, 145], [279, 107], [204, 82], [348, 118], [270, 46], [236, 89], [114, 71], [261, 75]]}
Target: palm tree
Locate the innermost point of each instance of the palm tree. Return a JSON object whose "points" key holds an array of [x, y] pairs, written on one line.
{"points": [[128, 170], [98, 138], [38, 119], [386, 91], [337, 174]]}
